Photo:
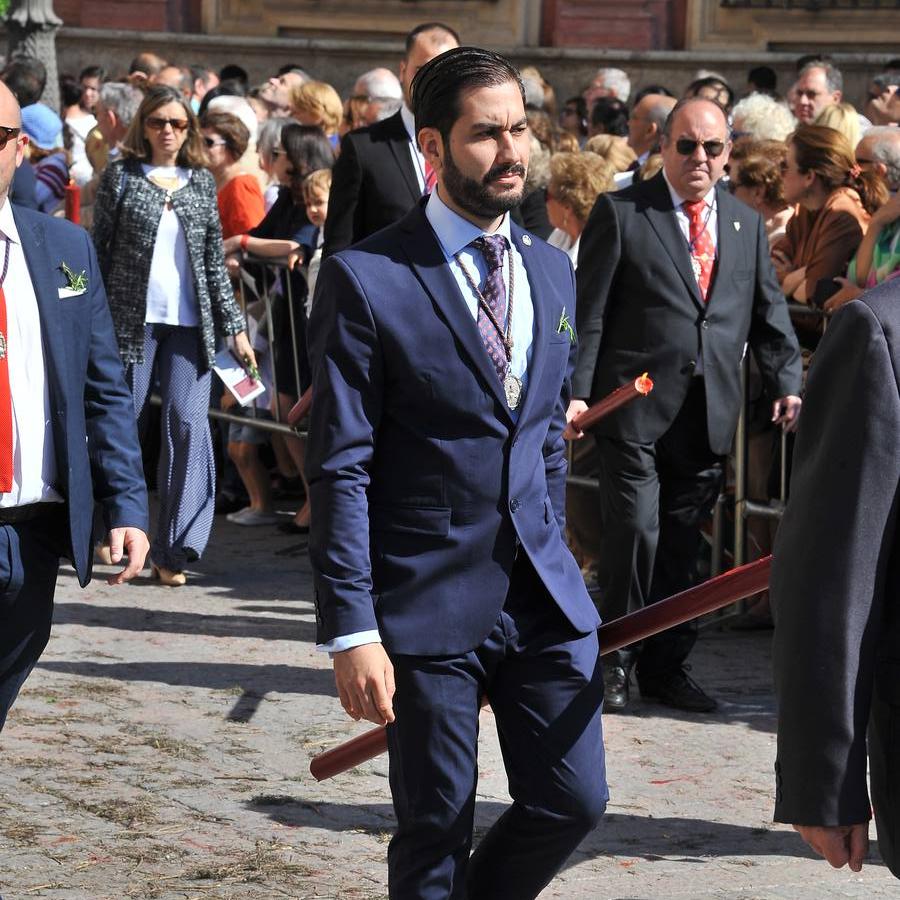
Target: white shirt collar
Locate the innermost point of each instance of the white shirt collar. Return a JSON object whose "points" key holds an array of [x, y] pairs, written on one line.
{"points": [[8, 223], [453, 231], [409, 122], [678, 200]]}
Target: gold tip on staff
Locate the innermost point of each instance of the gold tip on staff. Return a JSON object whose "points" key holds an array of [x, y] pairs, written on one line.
{"points": [[723, 590], [640, 387]]}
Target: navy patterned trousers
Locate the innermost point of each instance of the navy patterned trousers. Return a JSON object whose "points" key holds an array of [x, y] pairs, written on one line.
{"points": [[186, 480]]}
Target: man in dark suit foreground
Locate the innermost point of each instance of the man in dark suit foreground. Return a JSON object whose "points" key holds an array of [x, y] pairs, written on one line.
{"points": [[61, 381], [441, 362], [674, 279], [381, 173], [835, 593]]}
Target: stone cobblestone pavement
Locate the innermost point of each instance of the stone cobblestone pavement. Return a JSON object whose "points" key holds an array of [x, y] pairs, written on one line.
{"points": [[161, 751]]}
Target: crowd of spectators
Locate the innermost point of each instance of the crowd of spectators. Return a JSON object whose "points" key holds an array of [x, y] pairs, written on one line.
{"points": [[192, 178]]}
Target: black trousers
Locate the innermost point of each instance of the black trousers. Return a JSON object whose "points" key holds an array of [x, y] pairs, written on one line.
{"points": [[653, 500]]}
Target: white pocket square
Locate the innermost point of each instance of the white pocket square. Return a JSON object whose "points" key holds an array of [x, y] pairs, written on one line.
{"points": [[65, 293]]}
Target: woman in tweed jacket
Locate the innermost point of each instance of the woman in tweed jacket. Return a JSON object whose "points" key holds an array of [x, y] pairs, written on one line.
{"points": [[159, 243]]}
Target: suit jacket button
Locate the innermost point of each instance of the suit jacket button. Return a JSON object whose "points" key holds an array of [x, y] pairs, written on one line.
{"points": [[514, 505]]}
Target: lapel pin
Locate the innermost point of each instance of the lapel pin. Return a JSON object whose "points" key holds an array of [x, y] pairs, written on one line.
{"points": [[737, 226], [526, 240]]}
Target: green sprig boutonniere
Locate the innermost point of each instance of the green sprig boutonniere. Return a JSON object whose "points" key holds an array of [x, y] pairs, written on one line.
{"points": [[565, 326], [76, 281]]}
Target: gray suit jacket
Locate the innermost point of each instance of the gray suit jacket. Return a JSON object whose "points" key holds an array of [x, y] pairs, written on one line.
{"points": [[836, 583]]}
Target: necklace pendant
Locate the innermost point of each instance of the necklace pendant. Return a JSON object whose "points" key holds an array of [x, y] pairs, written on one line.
{"points": [[512, 387]]}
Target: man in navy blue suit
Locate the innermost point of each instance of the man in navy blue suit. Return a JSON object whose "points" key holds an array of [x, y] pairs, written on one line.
{"points": [[67, 431], [441, 353]]}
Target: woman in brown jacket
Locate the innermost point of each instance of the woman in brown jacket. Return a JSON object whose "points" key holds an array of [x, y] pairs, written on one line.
{"points": [[835, 200]]}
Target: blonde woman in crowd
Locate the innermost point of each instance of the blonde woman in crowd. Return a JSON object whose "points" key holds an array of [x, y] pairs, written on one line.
{"points": [[844, 118], [576, 180], [614, 149], [319, 104]]}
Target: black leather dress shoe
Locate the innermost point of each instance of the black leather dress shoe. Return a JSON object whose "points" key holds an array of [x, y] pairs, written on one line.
{"points": [[677, 689], [615, 688]]}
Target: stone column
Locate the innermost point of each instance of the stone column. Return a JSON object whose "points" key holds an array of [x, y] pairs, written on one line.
{"points": [[32, 26]]}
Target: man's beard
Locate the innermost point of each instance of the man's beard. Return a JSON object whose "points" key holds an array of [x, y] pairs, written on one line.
{"points": [[474, 196]]}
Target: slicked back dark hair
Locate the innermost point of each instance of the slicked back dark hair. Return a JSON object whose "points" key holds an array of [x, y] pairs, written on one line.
{"points": [[439, 84], [424, 28]]}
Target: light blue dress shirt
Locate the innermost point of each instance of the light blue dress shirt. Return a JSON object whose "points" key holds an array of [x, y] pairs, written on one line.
{"points": [[454, 234]]}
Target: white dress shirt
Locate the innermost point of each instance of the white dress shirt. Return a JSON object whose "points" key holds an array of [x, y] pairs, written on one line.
{"points": [[418, 160], [34, 460], [455, 234]]}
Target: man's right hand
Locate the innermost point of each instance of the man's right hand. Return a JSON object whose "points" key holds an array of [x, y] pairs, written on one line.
{"points": [[365, 682], [841, 845], [576, 407]]}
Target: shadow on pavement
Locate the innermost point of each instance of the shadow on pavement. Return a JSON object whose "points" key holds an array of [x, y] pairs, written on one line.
{"points": [[630, 837], [258, 680], [131, 618]]}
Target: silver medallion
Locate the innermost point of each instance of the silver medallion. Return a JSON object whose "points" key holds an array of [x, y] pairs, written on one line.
{"points": [[512, 387], [2, 345]]}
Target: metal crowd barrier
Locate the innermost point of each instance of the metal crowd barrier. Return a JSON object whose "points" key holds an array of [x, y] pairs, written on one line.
{"points": [[267, 280], [274, 283]]}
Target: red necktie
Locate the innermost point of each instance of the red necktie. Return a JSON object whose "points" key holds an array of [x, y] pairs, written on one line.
{"points": [[6, 434], [703, 253], [430, 178]]}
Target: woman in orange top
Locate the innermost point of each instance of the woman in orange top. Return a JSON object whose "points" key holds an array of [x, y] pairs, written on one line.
{"points": [[835, 200], [241, 205]]}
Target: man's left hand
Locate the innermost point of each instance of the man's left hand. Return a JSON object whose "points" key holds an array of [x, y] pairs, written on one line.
{"points": [[786, 412], [130, 542], [841, 845]]}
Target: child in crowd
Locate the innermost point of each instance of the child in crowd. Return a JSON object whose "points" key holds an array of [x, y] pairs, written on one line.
{"points": [[316, 188]]}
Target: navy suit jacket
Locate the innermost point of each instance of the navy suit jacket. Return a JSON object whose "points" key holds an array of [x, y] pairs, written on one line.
{"points": [[88, 394], [420, 479]]}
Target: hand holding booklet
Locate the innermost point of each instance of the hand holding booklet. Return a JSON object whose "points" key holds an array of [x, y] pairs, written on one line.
{"points": [[243, 386]]}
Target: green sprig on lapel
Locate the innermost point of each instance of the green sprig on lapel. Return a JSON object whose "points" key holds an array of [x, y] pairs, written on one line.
{"points": [[77, 281], [565, 326]]}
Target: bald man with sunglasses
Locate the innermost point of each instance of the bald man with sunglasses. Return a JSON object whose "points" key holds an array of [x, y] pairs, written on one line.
{"points": [[673, 279]]}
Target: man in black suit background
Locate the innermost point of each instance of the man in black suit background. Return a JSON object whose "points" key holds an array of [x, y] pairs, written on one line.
{"points": [[835, 590], [381, 173], [674, 278]]}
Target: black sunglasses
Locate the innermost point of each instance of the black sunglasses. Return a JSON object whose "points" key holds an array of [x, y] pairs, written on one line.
{"points": [[7, 134], [713, 148]]}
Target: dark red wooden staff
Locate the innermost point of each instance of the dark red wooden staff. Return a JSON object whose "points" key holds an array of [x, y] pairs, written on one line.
{"points": [[300, 410], [723, 590], [640, 387]]}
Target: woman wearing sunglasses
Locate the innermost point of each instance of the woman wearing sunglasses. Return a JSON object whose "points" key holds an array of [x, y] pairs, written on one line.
{"points": [[240, 199], [159, 244], [834, 199]]}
